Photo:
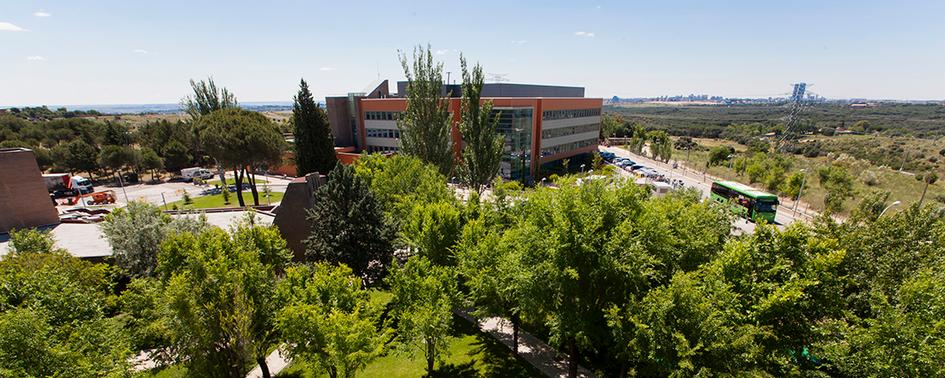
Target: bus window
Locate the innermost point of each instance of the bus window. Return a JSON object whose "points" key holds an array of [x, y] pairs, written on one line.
{"points": [[766, 207]]}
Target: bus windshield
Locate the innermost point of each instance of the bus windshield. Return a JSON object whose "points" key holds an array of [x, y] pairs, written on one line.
{"points": [[766, 207]]}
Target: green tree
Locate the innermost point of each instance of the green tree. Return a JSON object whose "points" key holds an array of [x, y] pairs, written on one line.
{"points": [[116, 134], [491, 270], [402, 182], [483, 145], [349, 227], [207, 99], [637, 139], [424, 298], [426, 126], [220, 293], [53, 313], [612, 125], [176, 156], [661, 146], [243, 140], [135, 233], [839, 186], [719, 155], [150, 161], [81, 157], [116, 157], [314, 145], [432, 230], [327, 319], [792, 186]]}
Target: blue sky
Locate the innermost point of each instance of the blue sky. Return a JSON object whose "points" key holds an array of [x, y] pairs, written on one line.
{"points": [[118, 52]]}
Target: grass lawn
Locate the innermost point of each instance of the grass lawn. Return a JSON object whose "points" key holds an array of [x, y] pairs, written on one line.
{"points": [[216, 200], [471, 354], [172, 371], [232, 181]]}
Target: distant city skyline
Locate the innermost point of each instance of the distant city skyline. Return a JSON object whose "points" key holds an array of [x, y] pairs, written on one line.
{"points": [[114, 52]]}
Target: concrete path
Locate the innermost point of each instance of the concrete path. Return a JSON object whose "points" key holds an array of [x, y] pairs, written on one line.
{"points": [[276, 362], [540, 355]]}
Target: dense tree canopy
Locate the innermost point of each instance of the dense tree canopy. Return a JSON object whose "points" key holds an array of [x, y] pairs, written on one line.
{"points": [[220, 293], [53, 314], [349, 226], [239, 139]]}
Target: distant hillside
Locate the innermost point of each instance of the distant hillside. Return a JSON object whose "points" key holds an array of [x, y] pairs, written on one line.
{"points": [[918, 120]]}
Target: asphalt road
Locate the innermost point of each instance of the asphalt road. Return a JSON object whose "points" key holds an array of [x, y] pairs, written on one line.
{"points": [[703, 183]]}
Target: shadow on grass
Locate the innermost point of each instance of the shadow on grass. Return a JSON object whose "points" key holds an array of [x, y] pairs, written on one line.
{"points": [[494, 358]]}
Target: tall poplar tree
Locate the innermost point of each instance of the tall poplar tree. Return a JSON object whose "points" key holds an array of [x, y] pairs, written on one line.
{"points": [[314, 144], [425, 126], [482, 151]]}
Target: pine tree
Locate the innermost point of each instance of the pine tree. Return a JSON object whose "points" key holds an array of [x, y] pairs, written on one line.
{"points": [[349, 226], [482, 152], [314, 144]]}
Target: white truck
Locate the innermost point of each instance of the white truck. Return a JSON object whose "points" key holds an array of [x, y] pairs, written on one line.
{"points": [[63, 185], [196, 172]]}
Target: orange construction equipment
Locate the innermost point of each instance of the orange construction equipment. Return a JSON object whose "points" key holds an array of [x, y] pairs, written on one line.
{"points": [[103, 197]]}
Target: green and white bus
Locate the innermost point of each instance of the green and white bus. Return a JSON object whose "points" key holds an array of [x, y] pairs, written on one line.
{"points": [[746, 201]]}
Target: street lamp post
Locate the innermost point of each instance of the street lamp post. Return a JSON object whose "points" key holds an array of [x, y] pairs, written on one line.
{"points": [[800, 192], [896, 203], [582, 168]]}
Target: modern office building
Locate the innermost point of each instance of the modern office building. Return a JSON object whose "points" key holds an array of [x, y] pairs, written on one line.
{"points": [[542, 124]]}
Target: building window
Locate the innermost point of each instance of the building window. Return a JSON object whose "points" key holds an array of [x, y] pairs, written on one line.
{"points": [[554, 133], [550, 115], [382, 133], [567, 147], [381, 116]]}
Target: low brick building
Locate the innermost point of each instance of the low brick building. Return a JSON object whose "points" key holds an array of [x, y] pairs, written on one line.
{"points": [[24, 200]]}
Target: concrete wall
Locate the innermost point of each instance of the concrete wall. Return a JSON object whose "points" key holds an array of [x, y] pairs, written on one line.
{"points": [[340, 120], [24, 200]]}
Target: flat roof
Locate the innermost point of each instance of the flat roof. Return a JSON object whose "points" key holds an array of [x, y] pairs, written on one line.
{"points": [[85, 240]]}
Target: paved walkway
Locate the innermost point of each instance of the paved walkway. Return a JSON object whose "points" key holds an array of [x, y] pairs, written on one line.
{"points": [[540, 355], [276, 362]]}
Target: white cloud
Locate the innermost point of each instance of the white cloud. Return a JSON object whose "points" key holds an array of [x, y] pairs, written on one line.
{"points": [[35, 58], [6, 26], [442, 52], [519, 42], [584, 34], [41, 13], [140, 51], [326, 68]]}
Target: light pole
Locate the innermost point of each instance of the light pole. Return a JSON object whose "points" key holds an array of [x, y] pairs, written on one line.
{"points": [[889, 207], [582, 168], [799, 192]]}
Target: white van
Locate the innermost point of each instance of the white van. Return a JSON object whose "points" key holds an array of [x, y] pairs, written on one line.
{"points": [[196, 172], [82, 184]]}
